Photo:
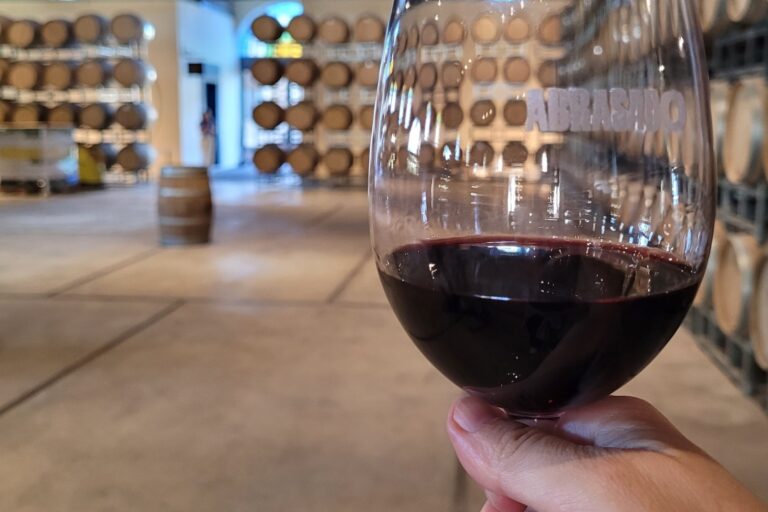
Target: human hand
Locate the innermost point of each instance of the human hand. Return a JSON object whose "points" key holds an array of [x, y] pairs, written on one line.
{"points": [[619, 454]]}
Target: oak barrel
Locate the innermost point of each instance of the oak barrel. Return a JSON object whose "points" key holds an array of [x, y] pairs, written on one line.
{"points": [[25, 75], [22, 33], [746, 11], [135, 157], [302, 28], [333, 30], [369, 29], [744, 133], [27, 115], [338, 161], [185, 208], [268, 115], [738, 261], [303, 159], [267, 71], [59, 75], [91, 29], [132, 72], [97, 116], [63, 115], [134, 116], [758, 325], [269, 158], [704, 295], [93, 73], [56, 33], [266, 28], [104, 153], [130, 28]]}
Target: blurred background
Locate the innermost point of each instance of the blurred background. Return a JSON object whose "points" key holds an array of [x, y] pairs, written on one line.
{"points": [[176, 339]]}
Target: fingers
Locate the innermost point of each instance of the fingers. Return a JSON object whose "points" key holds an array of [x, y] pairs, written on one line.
{"points": [[622, 422], [502, 503], [488, 507], [526, 464]]}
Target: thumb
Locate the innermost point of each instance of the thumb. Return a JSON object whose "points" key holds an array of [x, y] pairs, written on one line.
{"points": [[527, 464]]}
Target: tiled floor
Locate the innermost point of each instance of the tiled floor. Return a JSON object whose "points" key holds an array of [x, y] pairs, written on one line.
{"points": [[263, 372]]}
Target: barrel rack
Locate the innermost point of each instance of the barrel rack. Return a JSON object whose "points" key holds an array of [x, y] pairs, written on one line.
{"points": [[355, 96], [112, 95], [742, 208]]}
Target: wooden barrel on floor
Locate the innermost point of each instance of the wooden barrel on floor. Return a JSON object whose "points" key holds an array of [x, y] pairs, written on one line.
{"points": [[25, 75], [184, 206], [59, 75], [63, 115], [745, 132], [704, 295], [56, 33], [131, 28], [135, 157], [22, 33], [738, 262], [746, 12], [91, 29]]}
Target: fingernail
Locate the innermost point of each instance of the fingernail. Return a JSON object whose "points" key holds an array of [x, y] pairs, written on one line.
{"points": [[472, 413]]}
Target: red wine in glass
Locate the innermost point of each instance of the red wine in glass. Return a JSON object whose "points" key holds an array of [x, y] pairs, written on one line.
{"points": [[537, 325]]}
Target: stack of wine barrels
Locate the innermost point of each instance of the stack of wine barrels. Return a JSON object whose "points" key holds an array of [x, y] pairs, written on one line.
{"points": [[740, 291], [343, 103], [735, 285], [70, 70]]}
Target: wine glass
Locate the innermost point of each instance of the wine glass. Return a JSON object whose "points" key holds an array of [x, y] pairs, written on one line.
{"points": [[542, 192]]}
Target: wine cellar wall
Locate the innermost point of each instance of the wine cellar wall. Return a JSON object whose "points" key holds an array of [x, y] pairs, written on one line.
{"points": [[730, 313], [88, 74]]}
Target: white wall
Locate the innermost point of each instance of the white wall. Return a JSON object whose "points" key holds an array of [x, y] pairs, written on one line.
{"points": [[207, 35]]}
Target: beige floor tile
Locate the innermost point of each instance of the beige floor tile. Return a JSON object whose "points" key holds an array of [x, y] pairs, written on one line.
{"points": [[309, 268], [40, 263], [42, 337], [129, 211], [708, 409], [233, 408], [365, 288]]}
